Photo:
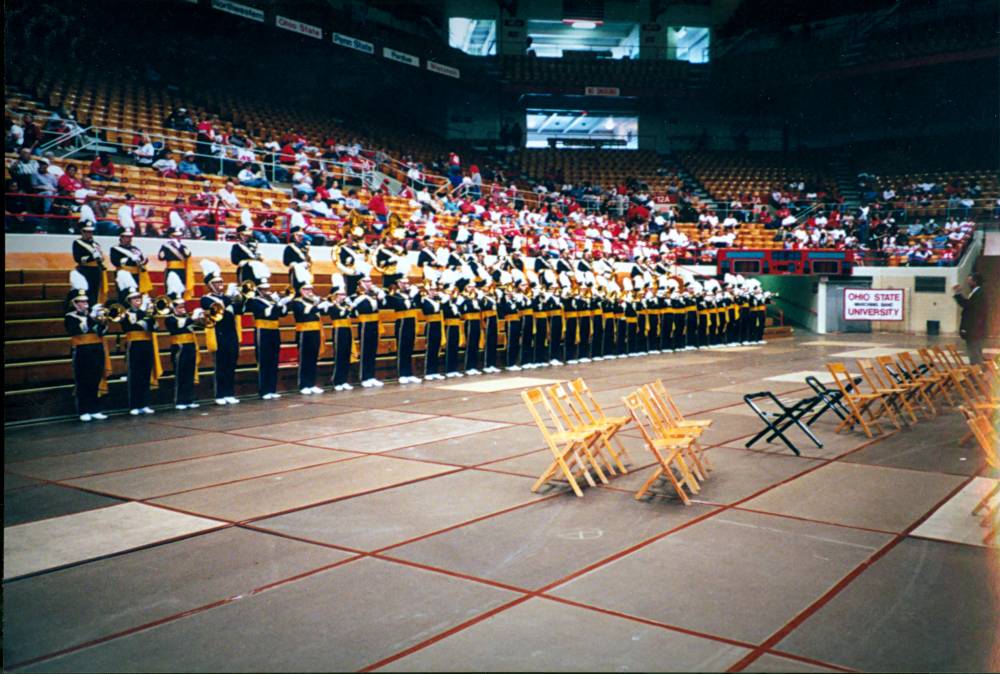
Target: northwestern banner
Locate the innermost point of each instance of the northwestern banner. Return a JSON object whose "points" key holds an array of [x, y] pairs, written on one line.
{"points": [[298, 27], [408, 59], [353, 43], [238, 9], [443, 70]]}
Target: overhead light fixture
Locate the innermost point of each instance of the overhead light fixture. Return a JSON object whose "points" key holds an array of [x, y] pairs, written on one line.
{"points": [[609, 123], [582, 24]]}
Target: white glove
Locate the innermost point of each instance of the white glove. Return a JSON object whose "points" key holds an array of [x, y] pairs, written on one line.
{"points": [[285, 300], [96, 310], [231, 289], [145, 302], [323, 306], [197, 314]]}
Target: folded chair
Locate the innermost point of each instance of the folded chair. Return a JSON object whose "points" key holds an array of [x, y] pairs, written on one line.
{"points": [[916, 390], [663, 427], [858, 404], [595, 414], [988, 438], [563, 444], [674, 411], [948, 383], [667, 454], [575, 422], [936, 383], [893, 395]]}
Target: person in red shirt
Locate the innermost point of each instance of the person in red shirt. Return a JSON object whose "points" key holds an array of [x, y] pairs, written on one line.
{"points": [[69, 183], [102, 168], [377, 207]]}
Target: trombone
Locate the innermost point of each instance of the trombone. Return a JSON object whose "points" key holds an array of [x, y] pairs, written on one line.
{"points": [[113, 313]]}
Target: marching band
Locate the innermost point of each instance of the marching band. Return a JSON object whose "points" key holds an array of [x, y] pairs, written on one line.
{"points": [[478, 313]]}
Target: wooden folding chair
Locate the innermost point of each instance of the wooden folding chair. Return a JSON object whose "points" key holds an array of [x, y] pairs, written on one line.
{"points": [[575, 422], [935, 382], [562, 443], [893, 395], [988, 438], [946, 383], [595, 414], [858, 404], [666, 452], [675, 411], [978, 374], [962, 383], [916, 390], [669, 426]]}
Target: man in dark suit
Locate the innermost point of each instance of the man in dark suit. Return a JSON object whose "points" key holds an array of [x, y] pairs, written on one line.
{"points": [[975, 320]]}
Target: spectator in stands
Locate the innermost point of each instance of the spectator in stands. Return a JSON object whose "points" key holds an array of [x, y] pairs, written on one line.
{"points": [[353, 203], [248, 177], [145, 152], [23, 170], [46, 185], [69, 184], [93, 212], [32, 135], [319, 208], [180, 119], [921, 255], [13, 135], [166, 166], [102, 168], [126, 215], [187, 168], [302, 182], [377, 207]]}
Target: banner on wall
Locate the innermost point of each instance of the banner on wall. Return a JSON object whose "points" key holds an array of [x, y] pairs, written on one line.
{"points": [[239, 9], [443, 70], [602, 91], [401, 57], [862, 304], [353, 43], [298, 27]]}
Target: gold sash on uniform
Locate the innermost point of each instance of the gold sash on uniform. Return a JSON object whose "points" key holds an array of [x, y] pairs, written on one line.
{"points": [[316, 326], [91, 338], [191, 338], [142, 336], [188, 275]]}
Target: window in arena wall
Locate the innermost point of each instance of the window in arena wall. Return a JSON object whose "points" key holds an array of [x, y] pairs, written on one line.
{"points": [[581, 129], [583, 40], [477, 37], [688, 43]]}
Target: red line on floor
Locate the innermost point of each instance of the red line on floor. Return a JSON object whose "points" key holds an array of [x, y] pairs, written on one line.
{"points": [[815, 521], [453, 574], [810, 610], [812, 661]]}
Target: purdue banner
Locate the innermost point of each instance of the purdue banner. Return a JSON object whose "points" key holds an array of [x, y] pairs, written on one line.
{"points": [[402, 57]]}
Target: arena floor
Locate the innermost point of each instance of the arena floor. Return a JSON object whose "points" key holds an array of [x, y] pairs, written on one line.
{"points": [[395, 529]]}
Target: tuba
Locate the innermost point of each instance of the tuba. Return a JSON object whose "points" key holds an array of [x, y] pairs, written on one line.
{"points": [[355, 219]]}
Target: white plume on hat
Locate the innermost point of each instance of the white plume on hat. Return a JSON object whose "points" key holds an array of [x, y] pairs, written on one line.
{"points": [[78, 281], [175, 287], [301, 273], [337, 282], [210, 269], [125, 281], [260, 270], [450, 277]]}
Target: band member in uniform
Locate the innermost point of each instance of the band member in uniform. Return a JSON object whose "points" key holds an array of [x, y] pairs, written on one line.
{"points": [[527, 327], [433, 312], [404, 299], [472, 316], [540, 303], [91, 264], [90, 361], [223, 336], [296, 252], [309, 337], [183, 346], [267, 309], [385, 260], [142, 354], [612, 313], [454, 326], [509, 312], [343, 338], [178, 259], [367, 304], [571, 307], [491, 330], [243, 252], [554, 307], [127, 257], [348, 261]]}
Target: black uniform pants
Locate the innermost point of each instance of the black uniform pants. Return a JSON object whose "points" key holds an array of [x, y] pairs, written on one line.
{"points": [[369, 348], [88, 368], [406, 333], [472, 332], [641, 336], [93, 276], [555, 337], [140, 368], [342, 339], [541, 341], [490, 355], [309, 343], [268, 346], [583, 343], [633, 337], [609, 347], [451, 349], [527, 340], [183, 357], [433, 349], [225, 364], [571, 346], [513, 342]]}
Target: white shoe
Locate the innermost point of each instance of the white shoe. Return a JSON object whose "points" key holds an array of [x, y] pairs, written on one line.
{"points": [[585, 360], [367, 383], [267, 396], [232, 401], [306, 391], [515, 368], [147, 410], [348, 387], [555, 361], [100, 416], [416, 380], [338, 387], [378, 383], [221, 401], [136, 412], [180, 407], [192, 406], [317, 390], [85, 417]]}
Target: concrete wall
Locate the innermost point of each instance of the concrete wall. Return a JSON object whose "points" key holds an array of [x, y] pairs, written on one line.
{"points": [[798, 299]]}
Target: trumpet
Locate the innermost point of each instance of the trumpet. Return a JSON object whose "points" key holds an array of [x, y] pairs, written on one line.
{"points": [[248, 289], [113, 313], [162, 306]]}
